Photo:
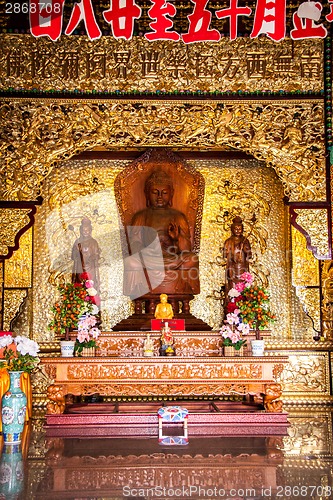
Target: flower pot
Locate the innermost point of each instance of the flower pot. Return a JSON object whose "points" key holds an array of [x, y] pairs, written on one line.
{"points": [[231, 351], [258, 347], [14, 407], [87, 351], [67, 348]]}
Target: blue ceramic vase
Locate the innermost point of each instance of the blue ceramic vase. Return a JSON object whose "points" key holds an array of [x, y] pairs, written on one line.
{"points": [[14, 407]]}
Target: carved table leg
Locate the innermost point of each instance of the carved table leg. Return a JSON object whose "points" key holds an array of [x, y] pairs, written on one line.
{"points": [[56, 394], [271, 401]]}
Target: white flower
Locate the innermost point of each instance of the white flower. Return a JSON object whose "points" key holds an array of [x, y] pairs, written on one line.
{"points": [[226, 331], [244, 328], [232, 319], [233, 293], [92, 292], [6, 340], [94, 332], [94, 309], [26, 346]]}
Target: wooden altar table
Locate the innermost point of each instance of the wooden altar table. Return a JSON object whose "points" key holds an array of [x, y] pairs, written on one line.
{"points": [[162, 376]]}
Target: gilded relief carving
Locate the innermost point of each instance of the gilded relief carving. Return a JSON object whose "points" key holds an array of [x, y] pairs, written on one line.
{"points": [[18, 269], [327, 301], [305, 268], [164, 371], [306, 374], [11, 221], [150, 389], [111, 345], [13, 300], [314, 222], [308, 435], [141, 65], [54, 131], [310, 298], [40, 380]]}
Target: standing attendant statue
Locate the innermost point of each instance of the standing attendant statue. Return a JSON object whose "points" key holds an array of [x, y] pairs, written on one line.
{"points": [[86, 255], [237, 252]]}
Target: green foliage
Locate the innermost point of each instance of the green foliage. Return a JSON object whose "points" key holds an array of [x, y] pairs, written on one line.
{"points": [[69, 308], [16, 362]]}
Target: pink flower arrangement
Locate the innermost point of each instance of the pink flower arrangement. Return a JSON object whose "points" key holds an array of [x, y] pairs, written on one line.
{"points": [[233, 329], [77, 308], [87, 333], [250, 303]]}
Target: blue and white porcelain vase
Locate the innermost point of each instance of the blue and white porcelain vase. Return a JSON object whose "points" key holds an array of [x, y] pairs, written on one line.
{"points": [[14, 407]]}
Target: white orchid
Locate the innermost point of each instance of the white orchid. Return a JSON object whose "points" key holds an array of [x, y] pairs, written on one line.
{"points": [[23, 358], [5, 341], [232, 319], [26, 346], [244, 328], [94, 310]]}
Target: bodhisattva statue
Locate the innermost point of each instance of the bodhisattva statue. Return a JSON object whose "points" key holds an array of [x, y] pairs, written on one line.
{"points": [[86, 254], [160, 245], [237, 252], [164, 309]]}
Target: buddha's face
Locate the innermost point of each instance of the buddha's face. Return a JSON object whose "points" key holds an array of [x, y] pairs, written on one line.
{"points": [[237, 229], [159, 195]]}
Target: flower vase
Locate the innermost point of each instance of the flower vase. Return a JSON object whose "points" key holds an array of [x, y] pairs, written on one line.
{"points": [[231, 351], [67, 348], [258, 347], [88, 351], [14, 407], [239, 352]]}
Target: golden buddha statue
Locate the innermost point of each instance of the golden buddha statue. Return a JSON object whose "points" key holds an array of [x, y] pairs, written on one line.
{"points": [[164, 309]]}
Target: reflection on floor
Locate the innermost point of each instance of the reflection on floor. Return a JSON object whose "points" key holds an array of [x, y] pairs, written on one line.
{"points": [[296, 465]]}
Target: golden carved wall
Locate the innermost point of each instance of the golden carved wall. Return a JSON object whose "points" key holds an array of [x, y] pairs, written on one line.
{"points": [[85, 188], [18, 269], [12, 220], [287, 135], [141, 65]]}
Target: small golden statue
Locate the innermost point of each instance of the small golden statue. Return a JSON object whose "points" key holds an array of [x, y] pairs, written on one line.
{"points": [[164, 309]]}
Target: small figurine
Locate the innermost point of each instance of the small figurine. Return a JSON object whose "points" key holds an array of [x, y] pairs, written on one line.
{"points": [[167, 348], [164, 309], [148, 346]]}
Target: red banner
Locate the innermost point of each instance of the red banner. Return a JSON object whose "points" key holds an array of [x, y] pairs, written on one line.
{"points": [[46, 19]]}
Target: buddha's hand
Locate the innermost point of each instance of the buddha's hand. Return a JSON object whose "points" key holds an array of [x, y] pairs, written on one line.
{"points": [[173, 231]]}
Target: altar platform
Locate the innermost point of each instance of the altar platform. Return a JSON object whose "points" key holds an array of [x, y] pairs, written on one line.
{"points": [[138, 419], [120, 371]]}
